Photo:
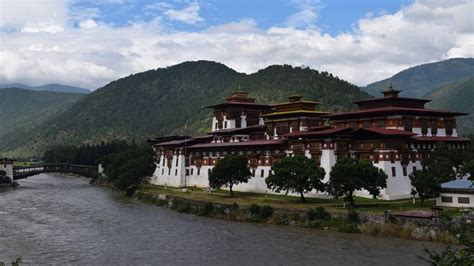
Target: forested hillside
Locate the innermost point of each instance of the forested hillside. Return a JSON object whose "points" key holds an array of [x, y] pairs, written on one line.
{"points": [[22, 109], [163, 101], [458, 97], [420, 80]]}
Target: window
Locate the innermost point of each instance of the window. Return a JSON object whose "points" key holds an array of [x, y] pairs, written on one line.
{"points": [[209, 171], [225, 124], [163, 171], [253, 172], [262, 173], [169, 171], [463, 200], [394, 171], [177, 160], [199, 171], [446, 199], [192, 171], [414, 168], [405, 171], [176, 172]]}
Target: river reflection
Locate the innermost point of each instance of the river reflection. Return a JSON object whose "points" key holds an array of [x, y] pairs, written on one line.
{"points": [[57, 220]]}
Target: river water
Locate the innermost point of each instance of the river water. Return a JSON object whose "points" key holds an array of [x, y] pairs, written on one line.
{"points": [[57, 220]]}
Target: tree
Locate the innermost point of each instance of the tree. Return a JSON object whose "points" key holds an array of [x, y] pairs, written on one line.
{"points": [[297, 174], [424, 184], [441, 168], [468, 169], [230, 171], [127, 169], [349, 175]]}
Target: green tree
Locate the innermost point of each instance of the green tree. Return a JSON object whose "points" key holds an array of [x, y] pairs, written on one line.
{"points": [[126, 170], [468, 169], [424, 184], [230, 171], [297, 174], [441, 168], [349, 175]]}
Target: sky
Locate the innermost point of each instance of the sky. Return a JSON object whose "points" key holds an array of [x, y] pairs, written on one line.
{"points": [[89, 43]]}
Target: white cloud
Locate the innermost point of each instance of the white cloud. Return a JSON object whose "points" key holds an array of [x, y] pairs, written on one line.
{"points": [[306, 15], [33, 16], [189, 14], [95, 53]]}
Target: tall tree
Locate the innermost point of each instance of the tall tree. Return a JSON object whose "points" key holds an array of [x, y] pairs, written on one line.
{"points": [[349, 175], [297, 174], [424, 184], [229, 171]]}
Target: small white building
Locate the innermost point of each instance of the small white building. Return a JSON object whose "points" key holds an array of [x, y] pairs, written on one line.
{"points": [[457, 193], [7, 166]]}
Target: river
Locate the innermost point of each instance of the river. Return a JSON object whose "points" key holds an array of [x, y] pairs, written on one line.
{"points": [[51, 219]]}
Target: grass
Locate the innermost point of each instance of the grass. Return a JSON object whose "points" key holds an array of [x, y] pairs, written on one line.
{"points": [[289, 202]]}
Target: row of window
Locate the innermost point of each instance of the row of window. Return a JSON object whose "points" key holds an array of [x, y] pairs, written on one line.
{"points": [[262, 172], [461, 200]]}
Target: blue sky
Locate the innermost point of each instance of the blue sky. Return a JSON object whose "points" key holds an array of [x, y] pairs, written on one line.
{"points": [[89, 43], [332, 17]]}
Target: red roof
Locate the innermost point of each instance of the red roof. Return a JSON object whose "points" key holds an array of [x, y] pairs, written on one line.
{"points": [[393, 99], [437, 139], [182, 141], [386, 132], [238, 144], [244, 104], [394, 110], [317, 133]]}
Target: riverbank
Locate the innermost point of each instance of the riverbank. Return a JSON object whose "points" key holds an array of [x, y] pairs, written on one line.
{"points": [[373, 217]]}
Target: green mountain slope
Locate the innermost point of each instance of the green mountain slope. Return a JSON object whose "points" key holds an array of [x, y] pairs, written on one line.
{"points": [[20, 108], [48, 87], [458, 97], [164, 100], [420, 80]]}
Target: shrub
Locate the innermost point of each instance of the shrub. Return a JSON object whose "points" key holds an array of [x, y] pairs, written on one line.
{"points": [[370, 228], [318, 213], [266, 212], [280, 219], [206, 209], [407, 230], [390, 230], [254, 210], [352, 216], [180, 206]]}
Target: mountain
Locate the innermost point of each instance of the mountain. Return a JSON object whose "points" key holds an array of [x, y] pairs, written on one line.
{"points": [[420, 80], [48, 87], [457, 96], [25, 109], [170, 101]]}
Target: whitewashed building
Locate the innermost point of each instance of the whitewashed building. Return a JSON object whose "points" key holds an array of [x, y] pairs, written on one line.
{"points": [[397, 134]]}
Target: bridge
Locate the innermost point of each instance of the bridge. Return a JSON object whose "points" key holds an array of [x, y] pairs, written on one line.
{"points": [[27, 171]]}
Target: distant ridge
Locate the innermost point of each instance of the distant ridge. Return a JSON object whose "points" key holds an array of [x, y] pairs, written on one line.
{"points": [[48, 87], [419, 81]]}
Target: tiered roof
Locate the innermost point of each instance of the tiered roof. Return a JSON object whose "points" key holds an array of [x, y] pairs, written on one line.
{"points": [[392, 104], [295, 107], [240, 99]]}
